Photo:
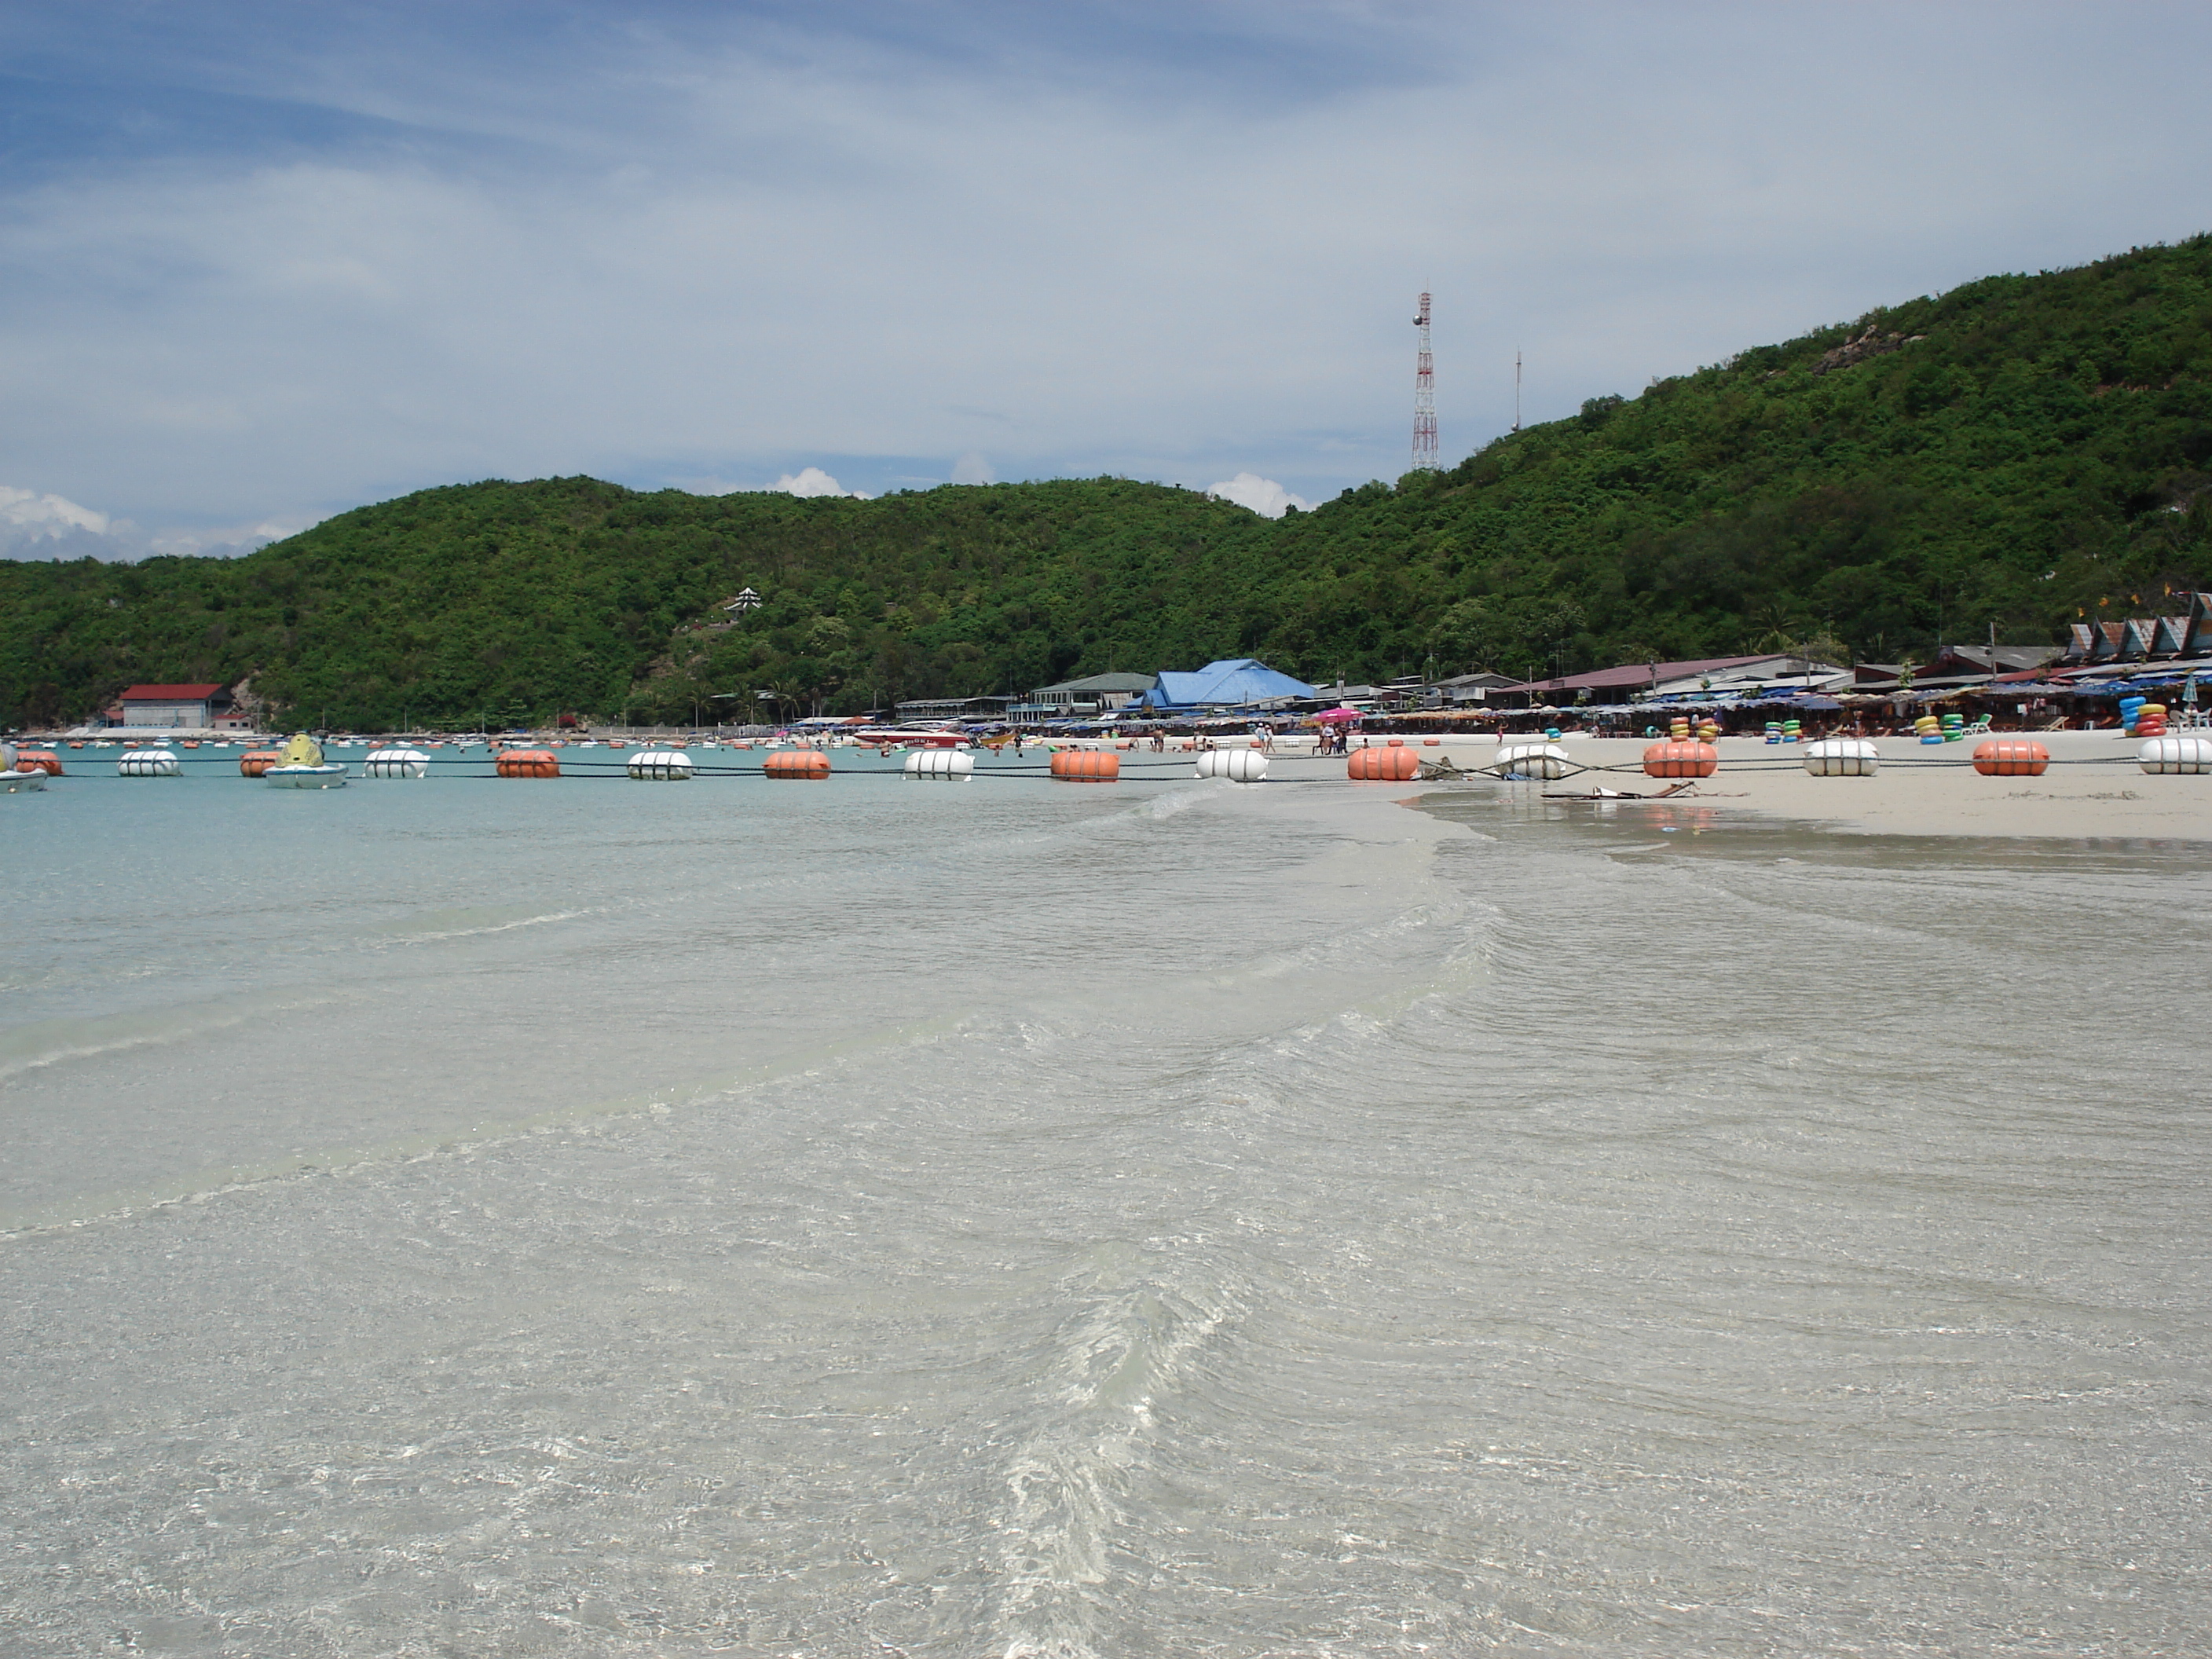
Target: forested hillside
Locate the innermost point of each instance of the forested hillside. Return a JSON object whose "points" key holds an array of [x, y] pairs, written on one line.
{"points": [[524, 599], [2018, 450]]}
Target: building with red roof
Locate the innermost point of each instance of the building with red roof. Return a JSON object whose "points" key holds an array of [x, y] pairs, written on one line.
{"points": [[172, 706]]}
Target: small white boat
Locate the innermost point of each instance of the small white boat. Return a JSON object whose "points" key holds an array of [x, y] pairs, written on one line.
{"points": [[13, 781], [304, 767]]}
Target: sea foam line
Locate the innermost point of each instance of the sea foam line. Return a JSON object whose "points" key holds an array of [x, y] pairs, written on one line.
{"points": [[1065, 1481]]}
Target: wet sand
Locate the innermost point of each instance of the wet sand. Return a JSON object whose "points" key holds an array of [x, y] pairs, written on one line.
{"points": [[2094, 788]]}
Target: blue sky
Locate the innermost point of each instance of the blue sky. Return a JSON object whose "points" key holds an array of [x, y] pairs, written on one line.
{"points": [[259, 263]]}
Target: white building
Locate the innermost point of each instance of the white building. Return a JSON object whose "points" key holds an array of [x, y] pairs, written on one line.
{"points": [[173, 706]]}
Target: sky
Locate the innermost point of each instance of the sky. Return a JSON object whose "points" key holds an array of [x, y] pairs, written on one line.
{"points": [[260, 263]]}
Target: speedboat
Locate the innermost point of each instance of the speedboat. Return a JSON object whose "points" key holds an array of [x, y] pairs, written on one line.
{"points": [[304, 767], [908, 736]]}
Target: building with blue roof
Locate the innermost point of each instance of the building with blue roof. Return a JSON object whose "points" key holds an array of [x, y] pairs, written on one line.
{"points": [[1232, 683]]}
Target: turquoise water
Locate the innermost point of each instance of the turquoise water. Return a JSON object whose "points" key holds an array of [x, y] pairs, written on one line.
{"points": [[1018, 1218]]}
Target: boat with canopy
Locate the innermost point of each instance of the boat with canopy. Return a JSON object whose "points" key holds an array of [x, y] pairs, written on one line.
{"points": [[304, 767]]}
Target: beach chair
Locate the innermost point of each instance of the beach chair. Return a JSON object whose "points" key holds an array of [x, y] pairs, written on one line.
{"points": [[1979, 728]]}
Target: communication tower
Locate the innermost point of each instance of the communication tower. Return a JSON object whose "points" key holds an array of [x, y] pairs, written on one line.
{"points": [[1424, 398]]}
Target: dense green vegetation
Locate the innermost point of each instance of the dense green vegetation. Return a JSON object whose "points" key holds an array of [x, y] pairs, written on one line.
{"points": [[2019, 451]]}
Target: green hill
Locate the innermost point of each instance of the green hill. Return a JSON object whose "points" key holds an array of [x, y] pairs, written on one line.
{"points": [[2019, 451], [568, 593]]}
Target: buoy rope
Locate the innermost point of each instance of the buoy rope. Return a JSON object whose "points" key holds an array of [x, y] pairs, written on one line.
{"points": [[1148, 769]]}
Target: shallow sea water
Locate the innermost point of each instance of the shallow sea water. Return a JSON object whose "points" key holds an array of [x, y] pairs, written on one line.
{"points": [[1016, 1220]]}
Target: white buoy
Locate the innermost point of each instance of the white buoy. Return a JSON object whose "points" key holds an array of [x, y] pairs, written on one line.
{"points": [[148, 763], [1532, 760], [396, 763], [2175, 754], [1843, 757], [660, 766], [948, 764], [1238, 765]]}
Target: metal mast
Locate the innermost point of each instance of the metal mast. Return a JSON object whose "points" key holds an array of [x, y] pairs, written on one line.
{"points": [[1424, 398]]}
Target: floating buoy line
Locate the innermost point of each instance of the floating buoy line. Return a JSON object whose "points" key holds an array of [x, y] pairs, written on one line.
{"points": [[1539, 758]]}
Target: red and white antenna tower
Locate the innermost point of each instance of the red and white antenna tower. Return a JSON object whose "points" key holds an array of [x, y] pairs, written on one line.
{"points": [[1424, 398]]}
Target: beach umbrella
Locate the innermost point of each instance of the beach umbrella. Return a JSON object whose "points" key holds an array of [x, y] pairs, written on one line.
{"points": [[1338, 714]]}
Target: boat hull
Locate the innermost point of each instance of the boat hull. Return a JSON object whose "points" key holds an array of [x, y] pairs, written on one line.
{"points": [[331, 776], [871, 737]]}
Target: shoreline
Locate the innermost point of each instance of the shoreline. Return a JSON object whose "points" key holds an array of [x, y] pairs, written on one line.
{"points": [[1943, 795], [2095, 790]]}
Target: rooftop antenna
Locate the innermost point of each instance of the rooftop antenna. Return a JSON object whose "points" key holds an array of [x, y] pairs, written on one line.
{"points": [[1424, 398], [1517, 388]]}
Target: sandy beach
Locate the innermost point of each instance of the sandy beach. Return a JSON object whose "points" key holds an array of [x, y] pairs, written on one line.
{"points": [[2093, 790]]}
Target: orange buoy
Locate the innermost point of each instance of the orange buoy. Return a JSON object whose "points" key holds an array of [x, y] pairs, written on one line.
{"points": [[1676, 758], [797, 764], [1087, 766], [2011, 757], [254, 762], [1393, 765], [1430, 743], [528, 764], [39, 760], [1397, 743]]}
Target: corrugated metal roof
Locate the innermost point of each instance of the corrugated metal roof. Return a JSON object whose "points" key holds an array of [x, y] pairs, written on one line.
{"points": [[1652, 673], [1233, 682], [1101, 682]]}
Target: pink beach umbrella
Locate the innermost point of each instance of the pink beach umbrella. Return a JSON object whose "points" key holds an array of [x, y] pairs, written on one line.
{"points": [[1338, 714]]}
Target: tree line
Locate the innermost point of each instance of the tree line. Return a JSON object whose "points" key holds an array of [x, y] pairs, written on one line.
{"points": [[2023, 452]]}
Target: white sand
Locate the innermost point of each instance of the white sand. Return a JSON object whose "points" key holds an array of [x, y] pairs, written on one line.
{"points": [[1922, 790]]}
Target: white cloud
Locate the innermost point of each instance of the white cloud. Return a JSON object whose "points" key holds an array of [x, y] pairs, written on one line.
{"points": [[972, 469], [33, 525], [812, 480], [30, 516], [673, 255], [1263, 495], [224, 540]]}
